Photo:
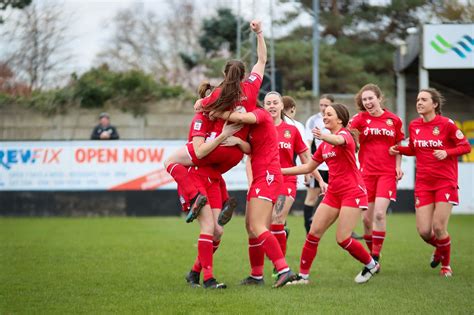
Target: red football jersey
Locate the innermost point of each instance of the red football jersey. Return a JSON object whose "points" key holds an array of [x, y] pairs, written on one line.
{"points": [[222, 158], [376, 136], [247, 103], [201, 126], [439, 134], [343, 172], [290, 143], [265, 157]]}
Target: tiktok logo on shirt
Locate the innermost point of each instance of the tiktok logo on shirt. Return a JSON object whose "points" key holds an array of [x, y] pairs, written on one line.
{"points": [[285, 145], [328, 155], [379, 132], [428, 143]]}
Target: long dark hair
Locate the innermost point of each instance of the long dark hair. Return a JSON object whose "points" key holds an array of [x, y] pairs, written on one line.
{"points": [[342, 113], [437, 98], [231, 91]]}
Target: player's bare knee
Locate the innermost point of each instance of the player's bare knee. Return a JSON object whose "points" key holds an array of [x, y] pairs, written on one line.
{"points": [[424, 233], [379, 216], [367, 223], [218, 231], [439, 230]]}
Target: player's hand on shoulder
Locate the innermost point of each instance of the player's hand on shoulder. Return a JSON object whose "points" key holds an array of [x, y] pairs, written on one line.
{"points": [[198, 106]]}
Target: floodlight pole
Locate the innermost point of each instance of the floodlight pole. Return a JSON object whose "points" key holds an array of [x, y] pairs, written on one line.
{"points": [[272, 50], [239, 31], [316, 48]]}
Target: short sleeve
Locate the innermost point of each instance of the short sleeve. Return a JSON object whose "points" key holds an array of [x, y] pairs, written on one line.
{"points": [[318, 155]]}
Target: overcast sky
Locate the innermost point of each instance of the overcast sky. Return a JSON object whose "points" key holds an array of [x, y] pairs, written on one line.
{"points": [[91, 17]]}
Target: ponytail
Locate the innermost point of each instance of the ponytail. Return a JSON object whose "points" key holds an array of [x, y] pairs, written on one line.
{"points": [[203, 88], [230, 88]]}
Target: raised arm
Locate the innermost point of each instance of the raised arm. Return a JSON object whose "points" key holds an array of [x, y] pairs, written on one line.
{"points": [[259, 67]]}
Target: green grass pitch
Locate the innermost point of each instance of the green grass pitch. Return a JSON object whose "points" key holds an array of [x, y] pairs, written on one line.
{"points": [[137, 265]]}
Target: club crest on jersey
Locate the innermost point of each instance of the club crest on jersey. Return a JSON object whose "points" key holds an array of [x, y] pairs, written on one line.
{"points": [[417, 131], [289, 191], [459, 134], [197, 125], [389, 122], [287, 134], [357, 201], [257, 190], [368, 121], [436, 131], [390, 193], [270, 178], [447, 196]]}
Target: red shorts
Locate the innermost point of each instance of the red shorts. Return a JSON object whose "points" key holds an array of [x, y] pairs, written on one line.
{"points": [[356, 198], [222, 158], [288, 189], [444, 194], [265, 188], [211, 188], [384, 186]]}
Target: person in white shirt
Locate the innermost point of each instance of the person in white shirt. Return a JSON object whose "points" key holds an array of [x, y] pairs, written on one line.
{"points": [[313, 190]]}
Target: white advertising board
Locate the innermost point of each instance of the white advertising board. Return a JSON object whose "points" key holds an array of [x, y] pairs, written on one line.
{"points": [[85, 165], [448, 46], [107, 165]]}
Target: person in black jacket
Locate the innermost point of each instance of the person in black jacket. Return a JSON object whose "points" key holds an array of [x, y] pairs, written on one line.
{"points": [[104, 131]]}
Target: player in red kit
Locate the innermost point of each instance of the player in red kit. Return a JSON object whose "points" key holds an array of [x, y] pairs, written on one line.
{"points": [[290, 143], [234, 93], [378, 130], [210, 184], [436, 142], [345, 197], [264, 190]]}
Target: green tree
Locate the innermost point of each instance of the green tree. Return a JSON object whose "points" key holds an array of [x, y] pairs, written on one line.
{"points": [[221, 32]]}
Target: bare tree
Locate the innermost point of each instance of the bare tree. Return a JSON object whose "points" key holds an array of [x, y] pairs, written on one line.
{"points": [[38, 39], [144, 41], [137, 42]]}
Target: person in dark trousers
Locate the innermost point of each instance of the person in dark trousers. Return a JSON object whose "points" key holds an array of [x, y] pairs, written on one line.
{"points": [[104, 130]]}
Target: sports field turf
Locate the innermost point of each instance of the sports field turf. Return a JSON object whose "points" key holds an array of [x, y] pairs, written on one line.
{"points": [[137, 265]]}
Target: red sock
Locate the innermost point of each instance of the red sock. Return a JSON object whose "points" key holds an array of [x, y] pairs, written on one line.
{"points": [[377, 241], [432, 241], [356, 250], [368, 241], [272, 250], [310, 250], [278, 230], [186, 186], [444, 248], [257, 257], [197, 264], [205, 254]]}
